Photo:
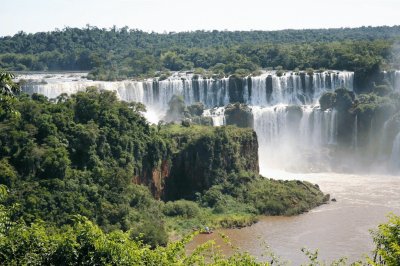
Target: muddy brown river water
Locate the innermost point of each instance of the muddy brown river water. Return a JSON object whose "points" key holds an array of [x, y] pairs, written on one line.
{"points": [[338, 229]]}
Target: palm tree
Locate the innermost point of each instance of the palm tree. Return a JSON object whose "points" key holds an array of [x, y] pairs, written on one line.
{"points": [[8, 90], [7, 86]]}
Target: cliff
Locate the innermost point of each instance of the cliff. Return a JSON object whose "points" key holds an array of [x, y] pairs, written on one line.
{"points": [[199, 157]]}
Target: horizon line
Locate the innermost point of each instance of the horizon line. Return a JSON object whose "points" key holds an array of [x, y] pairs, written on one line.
{"points": [[88, 26]]}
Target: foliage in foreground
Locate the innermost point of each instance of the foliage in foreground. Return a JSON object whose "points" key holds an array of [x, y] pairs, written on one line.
{"points": [[387, 241], [84, 243]]}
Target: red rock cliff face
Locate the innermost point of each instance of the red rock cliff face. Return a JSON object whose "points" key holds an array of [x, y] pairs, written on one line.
{"points": [[202, 162], [249, 153], [154, 178]]}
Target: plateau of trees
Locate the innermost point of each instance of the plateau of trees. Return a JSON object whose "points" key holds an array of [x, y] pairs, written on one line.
{"points": [[111, 54]]}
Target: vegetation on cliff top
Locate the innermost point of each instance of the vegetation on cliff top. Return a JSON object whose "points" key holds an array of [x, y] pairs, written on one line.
{"points": [[375, 113]]}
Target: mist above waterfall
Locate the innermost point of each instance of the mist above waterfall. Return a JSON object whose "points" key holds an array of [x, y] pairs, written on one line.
{"points": [[294, 133]]}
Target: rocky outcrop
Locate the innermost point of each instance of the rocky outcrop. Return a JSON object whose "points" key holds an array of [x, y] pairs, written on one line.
{"points": [[153, 177], [209, 159], [200, 157], [236, 88], [239, 115]]}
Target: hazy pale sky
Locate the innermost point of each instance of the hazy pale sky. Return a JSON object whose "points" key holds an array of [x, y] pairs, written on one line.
{"points": [[185, 15]]}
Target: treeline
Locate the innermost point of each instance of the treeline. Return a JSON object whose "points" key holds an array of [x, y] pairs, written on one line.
{"points": [[124, 38], [123, 53]]}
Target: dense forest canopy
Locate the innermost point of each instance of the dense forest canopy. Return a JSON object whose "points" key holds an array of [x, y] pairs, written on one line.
{"points": [[120, 38], [122, 53]]}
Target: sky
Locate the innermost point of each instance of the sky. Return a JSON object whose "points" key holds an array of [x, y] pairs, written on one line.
{"points": [[187, 15]]}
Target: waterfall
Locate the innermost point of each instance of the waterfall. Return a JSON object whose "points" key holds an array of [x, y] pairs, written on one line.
{"points": [[396, 83], [318, 128], [153, 93], [296, 87], [217, 115], [270, 123], [293, 132], [259, 91], [355, 134], [294, 139], [394, 78], [395, 157], [265, 90], [333, 127]]}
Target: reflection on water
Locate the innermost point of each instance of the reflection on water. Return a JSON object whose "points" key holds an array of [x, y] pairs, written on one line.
{"points": [[337, 229]]}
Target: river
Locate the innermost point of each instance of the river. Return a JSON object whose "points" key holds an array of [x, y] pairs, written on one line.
{"points": [[338, 229]]}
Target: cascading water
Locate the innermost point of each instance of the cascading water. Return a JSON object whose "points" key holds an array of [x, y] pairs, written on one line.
{"points": [[333, 128], [153, 93], [296, 88], [355, 133], [259, 91], [394, 78], [292, 137], [295, 139], [217, 115], [396, 84], [265, 90], [395, 157]]}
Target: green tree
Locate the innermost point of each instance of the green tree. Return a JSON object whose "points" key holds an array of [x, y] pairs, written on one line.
{"points": [[8, 90], [387, 242], [176, 108]]}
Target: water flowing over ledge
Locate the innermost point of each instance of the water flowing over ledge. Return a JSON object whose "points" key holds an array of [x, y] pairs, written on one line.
{"points": [[394, 78], [268, 89]]}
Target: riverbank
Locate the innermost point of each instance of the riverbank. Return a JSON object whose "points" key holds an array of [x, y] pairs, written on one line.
{"points": [[237, 203], [338, 229]]}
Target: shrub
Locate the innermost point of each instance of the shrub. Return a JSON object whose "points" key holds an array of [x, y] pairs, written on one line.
{"points": [[150, 232], [344, 99], [382, 90], [196, 109], [327, 100], [280, 73], [184, 208], [310, 71]]}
